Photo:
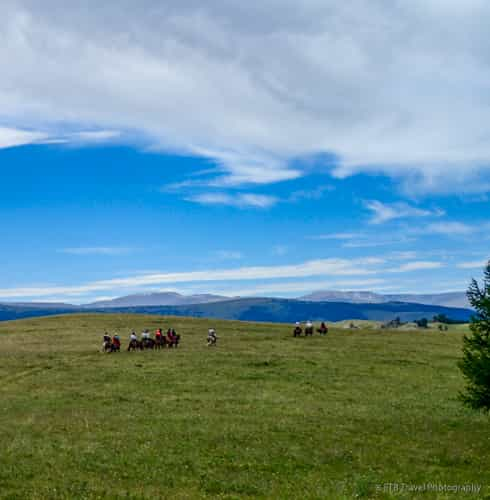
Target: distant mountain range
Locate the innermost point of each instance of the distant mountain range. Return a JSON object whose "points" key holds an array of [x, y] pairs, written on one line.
{"points": [[256, 309], [157, 299], [448, 299], [291, 310]]}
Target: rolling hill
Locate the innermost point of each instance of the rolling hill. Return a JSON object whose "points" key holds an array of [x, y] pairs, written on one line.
{"points": [[260, 309], [289, 310]]}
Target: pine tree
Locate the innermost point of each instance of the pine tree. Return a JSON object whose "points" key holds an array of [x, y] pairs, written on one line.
{"points": [[475, 363]]}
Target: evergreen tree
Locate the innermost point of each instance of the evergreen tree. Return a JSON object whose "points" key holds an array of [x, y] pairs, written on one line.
{"points": [[475, 363]]}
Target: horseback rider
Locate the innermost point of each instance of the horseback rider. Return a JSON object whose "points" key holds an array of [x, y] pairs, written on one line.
{"points": [[106, 343], [212, 337], [116, 342], [308, 328], [170, 337], [323, 330], [297, 329], [175, 338], [133, 341]]}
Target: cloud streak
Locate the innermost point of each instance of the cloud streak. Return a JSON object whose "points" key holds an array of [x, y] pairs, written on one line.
{"points": [[384, 212], [241, 200], [110, 251], [370, 268]]}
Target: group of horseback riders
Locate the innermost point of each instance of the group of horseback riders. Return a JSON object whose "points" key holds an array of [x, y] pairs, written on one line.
{"points": [[161, 340], [172, 339], [298, 331]]}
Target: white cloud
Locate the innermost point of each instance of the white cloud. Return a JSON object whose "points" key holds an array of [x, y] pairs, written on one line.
{"points": [[94, 136], [286, 288], [10, 137], [399, 88], [383, 212], [338, 236], [416, 266], [451, 228], [241, 200], [325, 267], [96, 250], [309, 194], [280, 250], [405, 255], [476, 264], [229, 255]]}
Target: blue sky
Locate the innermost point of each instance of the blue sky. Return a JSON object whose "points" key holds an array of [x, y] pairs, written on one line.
{"points": [[258, 150], [74, 217]]}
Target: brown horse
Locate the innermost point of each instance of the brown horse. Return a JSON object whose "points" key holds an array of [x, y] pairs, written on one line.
{"points": [[160, 342], [135, 345], [148, 343], [323, 330]]}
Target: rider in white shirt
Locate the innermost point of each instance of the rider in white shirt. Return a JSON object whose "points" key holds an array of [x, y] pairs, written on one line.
{"points": [[133, 336], [212, 337]]}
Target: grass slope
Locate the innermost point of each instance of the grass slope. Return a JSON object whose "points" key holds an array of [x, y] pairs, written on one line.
{"points": [[262, 416]]}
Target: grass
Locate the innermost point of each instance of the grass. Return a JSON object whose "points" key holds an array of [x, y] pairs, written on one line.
{"points": [[261, 416]]}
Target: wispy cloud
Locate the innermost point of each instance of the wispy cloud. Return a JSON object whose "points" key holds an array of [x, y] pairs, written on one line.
{"points": [[228, 255], [283, 288], [475, 264], [416, 266], [383, 212], [309, 194], [94, 136], [96, 250], [241, 200], [324, 267], [338, 236], [279, 250], [11, 137], [451, 228]]}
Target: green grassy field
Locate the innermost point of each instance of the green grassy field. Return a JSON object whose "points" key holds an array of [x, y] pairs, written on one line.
{"points": [[261, 416]]}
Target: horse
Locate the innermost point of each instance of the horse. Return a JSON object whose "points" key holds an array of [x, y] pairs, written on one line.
{"points": [[323, 330], [107, 346], [115, 346], [147, 343], [135, 345], [297, 332], [160, 342], [308, 330], [172, 339]]}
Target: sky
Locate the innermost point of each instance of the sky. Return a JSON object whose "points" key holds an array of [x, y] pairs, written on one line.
{"points": [[269, 149]]}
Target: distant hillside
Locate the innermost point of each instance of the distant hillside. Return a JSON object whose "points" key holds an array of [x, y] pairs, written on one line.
{"points": [[449, 299], [19, 311], [157, 299], [263, 309], [284, 310]]}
